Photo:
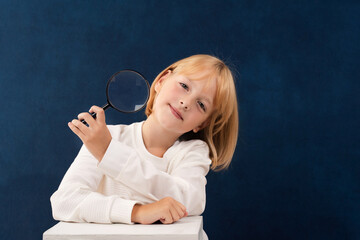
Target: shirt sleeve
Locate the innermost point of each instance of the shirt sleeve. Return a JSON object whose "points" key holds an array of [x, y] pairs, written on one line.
{"points": [[76, 199], [185, 181]]}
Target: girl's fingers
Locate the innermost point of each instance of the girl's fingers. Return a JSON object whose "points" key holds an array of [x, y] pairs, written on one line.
{"points": [[84, 129], [88, 118], [100, 114], [76, 130], [180, 210], [183, 208], [174, 213], [167, 218]]}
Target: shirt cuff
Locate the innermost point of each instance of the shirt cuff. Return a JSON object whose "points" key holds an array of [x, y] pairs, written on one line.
{"points": [[115, 158], [121, 211]]}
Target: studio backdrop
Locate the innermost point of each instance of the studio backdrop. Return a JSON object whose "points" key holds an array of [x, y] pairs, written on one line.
{"points": [[295, 171]]}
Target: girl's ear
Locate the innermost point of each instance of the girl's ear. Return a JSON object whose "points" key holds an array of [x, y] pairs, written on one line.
{"points": [[195, 130], [203, 125], [160, 82]]}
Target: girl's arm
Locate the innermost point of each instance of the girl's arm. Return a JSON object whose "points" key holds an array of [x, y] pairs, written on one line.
{"points": [[77, 200], [185, 181]]}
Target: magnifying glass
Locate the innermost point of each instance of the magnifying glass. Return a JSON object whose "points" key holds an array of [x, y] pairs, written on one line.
{"points": [[127, 91]]}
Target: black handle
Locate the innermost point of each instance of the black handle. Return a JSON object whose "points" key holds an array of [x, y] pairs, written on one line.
{"points": [[106, 106]]}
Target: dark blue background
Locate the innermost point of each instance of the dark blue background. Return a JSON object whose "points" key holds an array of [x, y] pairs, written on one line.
{"points": [[295, 173]]}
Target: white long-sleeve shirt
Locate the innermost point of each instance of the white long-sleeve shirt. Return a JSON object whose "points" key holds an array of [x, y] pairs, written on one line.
{"points": [[106, 192]]}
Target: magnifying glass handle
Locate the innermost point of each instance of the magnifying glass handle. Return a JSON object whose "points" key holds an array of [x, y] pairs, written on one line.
{"points": [[92, 114], [106, 106]]}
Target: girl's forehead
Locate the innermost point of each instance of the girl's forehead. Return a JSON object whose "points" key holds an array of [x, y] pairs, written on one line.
{"points": [[198, 76], [206, 81], [198, 73]]}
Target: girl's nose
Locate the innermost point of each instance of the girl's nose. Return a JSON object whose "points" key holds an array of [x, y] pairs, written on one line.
{"points": [[184, 105]]}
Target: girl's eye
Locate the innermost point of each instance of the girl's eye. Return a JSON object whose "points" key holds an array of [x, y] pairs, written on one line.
{"points": [[184, 86], [202, 106]]}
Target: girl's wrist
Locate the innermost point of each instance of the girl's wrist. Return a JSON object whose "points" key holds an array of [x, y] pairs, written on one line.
{"points": [[135, 213]]}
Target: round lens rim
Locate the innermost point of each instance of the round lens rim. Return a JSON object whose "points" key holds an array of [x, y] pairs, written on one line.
{"points": [[107, 91]]}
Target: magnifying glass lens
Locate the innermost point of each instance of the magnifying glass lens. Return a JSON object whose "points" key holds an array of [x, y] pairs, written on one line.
{"points": [[127, 91]]}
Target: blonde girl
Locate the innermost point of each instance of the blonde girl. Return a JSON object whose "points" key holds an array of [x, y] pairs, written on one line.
{"points": [[154, 170]]}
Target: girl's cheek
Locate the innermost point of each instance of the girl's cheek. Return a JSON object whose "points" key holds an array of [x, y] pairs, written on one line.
{"points": [[173, 92]]}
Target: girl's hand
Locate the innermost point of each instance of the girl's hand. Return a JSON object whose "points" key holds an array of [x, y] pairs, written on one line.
{"points": [[97, 136], [167, 210]]}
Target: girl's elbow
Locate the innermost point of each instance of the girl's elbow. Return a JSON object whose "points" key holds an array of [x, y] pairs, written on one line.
{"points": [[197, 207], [55, 208], [60, 214], [60, 210]]}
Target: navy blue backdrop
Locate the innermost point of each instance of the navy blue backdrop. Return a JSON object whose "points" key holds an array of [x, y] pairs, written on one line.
{"points": [[295, 173]]}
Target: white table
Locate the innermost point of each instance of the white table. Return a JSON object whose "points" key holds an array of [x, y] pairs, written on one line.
{"points": [[186, 228]]}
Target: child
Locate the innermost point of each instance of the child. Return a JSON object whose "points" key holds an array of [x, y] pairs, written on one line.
{"points": [[154, 170]]}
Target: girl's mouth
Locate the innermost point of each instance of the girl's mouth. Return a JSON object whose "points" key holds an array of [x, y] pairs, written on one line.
{"points": [[176, 113]]}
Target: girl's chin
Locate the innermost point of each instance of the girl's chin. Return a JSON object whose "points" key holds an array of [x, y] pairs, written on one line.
{"points": [[171, 125]]}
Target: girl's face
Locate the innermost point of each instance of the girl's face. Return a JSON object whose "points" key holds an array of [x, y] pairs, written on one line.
{"points": [[182, 104]]}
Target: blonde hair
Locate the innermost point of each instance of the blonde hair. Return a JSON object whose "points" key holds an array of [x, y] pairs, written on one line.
{"points": [[221, 132]]}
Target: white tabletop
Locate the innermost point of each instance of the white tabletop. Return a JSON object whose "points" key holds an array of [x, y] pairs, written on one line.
{"points": [[185, 228]]}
